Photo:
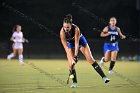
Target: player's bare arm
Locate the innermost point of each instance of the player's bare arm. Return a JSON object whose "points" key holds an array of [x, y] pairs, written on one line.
{"points": [[63, 40], [104, 33], [120, 33], [77, 37]]}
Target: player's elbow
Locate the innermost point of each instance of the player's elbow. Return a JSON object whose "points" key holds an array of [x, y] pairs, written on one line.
{"points": [[101, 35], [11, 39]]}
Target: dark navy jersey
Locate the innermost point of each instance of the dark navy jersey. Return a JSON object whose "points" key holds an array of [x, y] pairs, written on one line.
{"points": [[70, 37], [71, 34], [113, 37]]}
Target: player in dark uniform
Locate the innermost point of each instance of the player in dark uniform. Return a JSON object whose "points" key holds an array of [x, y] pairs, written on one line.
{"points": [[111, 48], [73, 40]]}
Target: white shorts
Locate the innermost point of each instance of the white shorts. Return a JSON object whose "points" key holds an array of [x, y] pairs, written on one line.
{"points": [[17, 46]]}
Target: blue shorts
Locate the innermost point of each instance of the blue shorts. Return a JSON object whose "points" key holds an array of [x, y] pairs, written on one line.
{"points": [[111, 47], [82, 42]]}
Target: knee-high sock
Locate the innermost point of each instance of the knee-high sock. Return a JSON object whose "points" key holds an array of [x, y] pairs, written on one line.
{"points": [[98, 69], [112, 64], [20, 58], [75, 77]]}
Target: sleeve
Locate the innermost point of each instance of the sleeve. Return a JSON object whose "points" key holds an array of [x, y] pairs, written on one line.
{"points": [[13, 37]]}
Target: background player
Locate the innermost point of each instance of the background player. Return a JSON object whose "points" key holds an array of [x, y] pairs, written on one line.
{"points": [[72, 40], [111, 48], [17, 39]]}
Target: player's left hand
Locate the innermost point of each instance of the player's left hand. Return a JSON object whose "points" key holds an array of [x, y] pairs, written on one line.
{"points": [[26, 40], [123, 37], [76, 59]]}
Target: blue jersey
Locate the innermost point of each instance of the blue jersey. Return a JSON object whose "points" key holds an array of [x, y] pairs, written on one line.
{"points": [[113, 37], [71, 40]]}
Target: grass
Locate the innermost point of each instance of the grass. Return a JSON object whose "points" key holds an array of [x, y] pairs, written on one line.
{"points": [[49, 76]]}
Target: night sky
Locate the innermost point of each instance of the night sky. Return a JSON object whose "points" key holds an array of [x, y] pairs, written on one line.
{"points": [[43, 18]]}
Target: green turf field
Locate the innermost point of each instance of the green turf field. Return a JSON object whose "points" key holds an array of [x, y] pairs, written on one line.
{"points": [[49, 76]]}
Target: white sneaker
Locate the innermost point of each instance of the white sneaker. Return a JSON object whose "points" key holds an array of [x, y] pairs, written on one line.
{"points": [[102, 62], [106, 80], [74, 85], [21, 63], [110, 72], [8, 57]]}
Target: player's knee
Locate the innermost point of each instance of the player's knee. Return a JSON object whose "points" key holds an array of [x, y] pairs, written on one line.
{"points": [[106, 59], [20, 53], [90, 60], [113, 59], [14, 54]]}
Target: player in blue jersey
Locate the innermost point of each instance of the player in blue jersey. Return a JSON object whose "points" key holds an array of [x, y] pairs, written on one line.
{"points": [[111, 34], [73, 40]]}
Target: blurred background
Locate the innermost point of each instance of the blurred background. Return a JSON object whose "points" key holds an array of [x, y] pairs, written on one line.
{"points": [[41, 22]]}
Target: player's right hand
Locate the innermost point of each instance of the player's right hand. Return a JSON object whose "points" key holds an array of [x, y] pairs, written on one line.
{"points": [[123, 37], [106, 34], [14, 40]]}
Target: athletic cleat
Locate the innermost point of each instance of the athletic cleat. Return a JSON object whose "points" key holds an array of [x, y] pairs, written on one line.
{"points": [[74, 85], [102, 62], [21, 63], [106, 80], [110, 72], [8, 57]]}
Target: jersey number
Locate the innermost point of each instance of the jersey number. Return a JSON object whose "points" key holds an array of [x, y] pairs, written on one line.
{"points": [[112, 38]]}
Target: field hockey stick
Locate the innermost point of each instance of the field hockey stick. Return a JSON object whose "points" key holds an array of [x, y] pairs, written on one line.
{"points": [[75, 60], [68, 79]]}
